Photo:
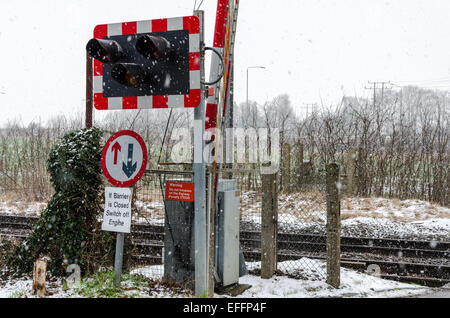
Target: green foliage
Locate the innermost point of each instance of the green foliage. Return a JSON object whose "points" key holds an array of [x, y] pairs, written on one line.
{"points": [[17, 294], [204, 294], [136, 280], [101, 284], [69, 231]]}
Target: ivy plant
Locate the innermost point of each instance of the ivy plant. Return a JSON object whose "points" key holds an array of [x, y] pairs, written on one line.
{"points": [[69, 229]]}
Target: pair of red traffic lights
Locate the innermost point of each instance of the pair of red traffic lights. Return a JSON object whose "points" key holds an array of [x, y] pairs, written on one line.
{"points": [[153, 48]]}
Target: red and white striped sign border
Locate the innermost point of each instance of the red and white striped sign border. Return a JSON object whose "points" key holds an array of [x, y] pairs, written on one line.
{"points": [[190, 23]]}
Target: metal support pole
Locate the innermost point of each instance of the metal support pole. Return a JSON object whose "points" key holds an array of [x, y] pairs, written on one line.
{"points": [[119, 257], [201, 234], [89, 91], [211, 235], [228, 149]]}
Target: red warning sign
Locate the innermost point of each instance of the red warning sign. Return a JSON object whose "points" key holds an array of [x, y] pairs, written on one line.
{"points": [[180, 191]]}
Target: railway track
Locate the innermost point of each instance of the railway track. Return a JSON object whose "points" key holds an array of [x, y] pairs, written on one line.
{"points": [[422, 262]]}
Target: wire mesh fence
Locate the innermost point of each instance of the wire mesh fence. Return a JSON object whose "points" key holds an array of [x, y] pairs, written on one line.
{"points": [[249, 190], [301, 221], [149, 217], [301, 242], [248, 183], [302, 226]]}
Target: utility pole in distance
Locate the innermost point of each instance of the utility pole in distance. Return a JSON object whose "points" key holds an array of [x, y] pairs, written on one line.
{"points": [[374, 87], [376, 108], [312, 106]]}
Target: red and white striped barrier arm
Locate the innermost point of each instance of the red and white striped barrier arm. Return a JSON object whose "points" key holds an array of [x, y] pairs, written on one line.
{"points": [[218, 44]]}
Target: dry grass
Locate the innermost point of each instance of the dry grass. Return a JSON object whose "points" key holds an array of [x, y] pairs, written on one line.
{"points": [[302, 206], [394, 209], [15, 203], [311, 207], [10, 196]]}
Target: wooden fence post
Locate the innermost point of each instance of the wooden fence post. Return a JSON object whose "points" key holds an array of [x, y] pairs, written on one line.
{"points": [[333, 227], [39, 277], [269, 225]]}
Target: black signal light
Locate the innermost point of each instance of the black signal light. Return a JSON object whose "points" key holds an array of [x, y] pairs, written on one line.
{"points": [[143, 64], [153, 47], [105, 51], [129, 74]]}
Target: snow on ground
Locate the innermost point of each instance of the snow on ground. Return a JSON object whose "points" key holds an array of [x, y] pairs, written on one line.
{"points": [[22, 207], [368, 217], [21, 288], [149, 211], [397, 210], [438, 223], [437, 229], [357, 286], [152, 272], [353, 284]]}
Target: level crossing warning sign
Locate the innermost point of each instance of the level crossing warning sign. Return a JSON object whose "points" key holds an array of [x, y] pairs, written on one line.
{"points": [[124, 158]]}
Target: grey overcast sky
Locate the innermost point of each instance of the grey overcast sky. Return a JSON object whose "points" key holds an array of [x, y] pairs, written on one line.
{"points": [[314, 50]]}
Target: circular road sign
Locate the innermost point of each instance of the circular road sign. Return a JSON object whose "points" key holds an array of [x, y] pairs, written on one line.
{"points": [[124, 158]]}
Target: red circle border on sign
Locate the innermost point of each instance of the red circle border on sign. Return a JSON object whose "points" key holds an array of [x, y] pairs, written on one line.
{"points": [[129, 183]]}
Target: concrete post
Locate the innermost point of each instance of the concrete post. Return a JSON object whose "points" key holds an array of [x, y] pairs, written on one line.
{"points": [[351, 171], [333, 227], [300, 157], [269, 222], [286, 173]]}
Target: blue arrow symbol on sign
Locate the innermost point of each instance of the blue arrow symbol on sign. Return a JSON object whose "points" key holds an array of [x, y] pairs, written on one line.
{"points": [[129, 168]]}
